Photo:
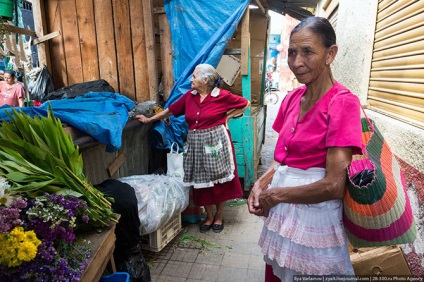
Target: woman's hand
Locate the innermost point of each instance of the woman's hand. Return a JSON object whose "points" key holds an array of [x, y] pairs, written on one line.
{"points": [[163, 114], [235, 112], [269, 198], [143, 119], [261, 200], [331, 187], [253, 200]]}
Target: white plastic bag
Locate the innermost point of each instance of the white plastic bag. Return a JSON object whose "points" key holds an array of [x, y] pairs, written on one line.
{"points": [[175, 165], [159, 198]]}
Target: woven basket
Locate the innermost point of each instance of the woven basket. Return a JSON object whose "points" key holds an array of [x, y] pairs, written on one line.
{"points": [[378, 213]]}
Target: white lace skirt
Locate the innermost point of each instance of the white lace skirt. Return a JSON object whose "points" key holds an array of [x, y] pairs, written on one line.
{"points": [[300, 239]]}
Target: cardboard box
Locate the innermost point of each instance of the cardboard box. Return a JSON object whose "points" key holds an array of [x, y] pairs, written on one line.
{"points": [[380, 261]]}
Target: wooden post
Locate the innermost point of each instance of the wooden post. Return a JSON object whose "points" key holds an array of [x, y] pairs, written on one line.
{"points": [[150, 48], [38, 11], [245, 57], [245, 42], [166, 55], [249, 133]]}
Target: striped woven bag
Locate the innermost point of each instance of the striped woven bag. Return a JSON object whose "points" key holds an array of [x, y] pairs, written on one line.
{"points": [[379, 212]]}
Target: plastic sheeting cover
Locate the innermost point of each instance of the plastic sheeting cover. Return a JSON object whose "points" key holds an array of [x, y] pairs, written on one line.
{"points": [[159, 198], [102, 115], [200, 32]]}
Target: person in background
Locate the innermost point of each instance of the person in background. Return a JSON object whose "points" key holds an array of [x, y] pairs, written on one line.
{"points": [[12, 93], [300, 195], [209, 163]]}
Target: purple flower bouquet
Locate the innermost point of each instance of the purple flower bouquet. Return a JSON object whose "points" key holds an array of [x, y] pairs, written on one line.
{"points": [[38, 237]]}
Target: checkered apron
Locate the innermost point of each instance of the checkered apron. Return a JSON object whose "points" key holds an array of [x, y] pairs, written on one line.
{"points": [[209, 158]]}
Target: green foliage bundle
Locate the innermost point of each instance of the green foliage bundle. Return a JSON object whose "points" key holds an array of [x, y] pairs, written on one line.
{"points": [[37, 156]]}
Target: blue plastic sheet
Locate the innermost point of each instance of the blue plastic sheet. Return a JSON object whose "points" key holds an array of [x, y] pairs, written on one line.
{"points": [[102, 115], [200, 32]]}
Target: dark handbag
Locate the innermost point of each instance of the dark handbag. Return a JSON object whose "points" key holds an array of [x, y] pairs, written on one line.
{"points": [[377, 210]]}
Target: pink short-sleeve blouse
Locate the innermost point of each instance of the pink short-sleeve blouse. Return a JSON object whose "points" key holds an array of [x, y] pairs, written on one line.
{"points": [[12, 95], [334, 121]]}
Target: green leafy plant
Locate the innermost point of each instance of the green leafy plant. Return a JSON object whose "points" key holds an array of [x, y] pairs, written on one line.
{"points": [[185, 238], [236, 203], [37, 156]]}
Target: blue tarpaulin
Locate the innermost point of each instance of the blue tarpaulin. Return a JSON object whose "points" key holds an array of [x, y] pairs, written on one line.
{"points": [[200, 32], [102, 115]]}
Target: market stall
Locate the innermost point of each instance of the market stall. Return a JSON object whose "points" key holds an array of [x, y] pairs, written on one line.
{"points": [[234, 40], [248, 131], [46, 201]]}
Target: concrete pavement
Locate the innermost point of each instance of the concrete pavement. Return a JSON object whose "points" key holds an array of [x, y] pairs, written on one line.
{"points": [[232, 255]]}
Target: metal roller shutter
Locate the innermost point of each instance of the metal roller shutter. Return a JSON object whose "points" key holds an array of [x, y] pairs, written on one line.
{"points": [[396, 85], [333, 18], [331, 11]]}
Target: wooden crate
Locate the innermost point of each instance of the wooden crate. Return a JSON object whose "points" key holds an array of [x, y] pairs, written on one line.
{"points": [[157, 240]]}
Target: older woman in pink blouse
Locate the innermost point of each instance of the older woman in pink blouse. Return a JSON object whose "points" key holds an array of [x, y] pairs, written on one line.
{"points": [[300, 195]]}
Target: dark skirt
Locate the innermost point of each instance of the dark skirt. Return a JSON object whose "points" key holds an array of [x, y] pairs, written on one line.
{"points": [[220, 192]]}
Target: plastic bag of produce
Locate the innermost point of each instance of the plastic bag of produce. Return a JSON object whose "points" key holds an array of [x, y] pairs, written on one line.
{"points": [[159, 198]]}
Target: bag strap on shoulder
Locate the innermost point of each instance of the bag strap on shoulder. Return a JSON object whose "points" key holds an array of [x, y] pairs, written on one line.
{"points": [[369, 121]]}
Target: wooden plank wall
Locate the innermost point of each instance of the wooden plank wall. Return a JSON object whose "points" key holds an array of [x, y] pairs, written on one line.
{"points": [[115, 40], [135, 146]]}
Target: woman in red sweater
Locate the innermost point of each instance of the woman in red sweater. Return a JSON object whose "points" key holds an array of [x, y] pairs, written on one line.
{"points": [[209, 163]]}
